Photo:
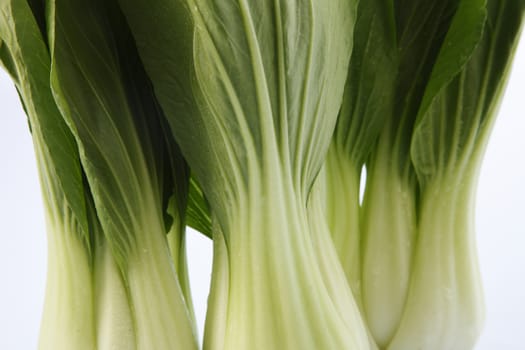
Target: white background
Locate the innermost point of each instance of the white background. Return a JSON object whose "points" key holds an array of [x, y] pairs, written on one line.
{"points": [[500, 227]]}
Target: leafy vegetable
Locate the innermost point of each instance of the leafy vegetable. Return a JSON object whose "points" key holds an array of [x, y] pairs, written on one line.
{"points": [[444, 305], [252, 121], [68, 311], [396, 46], [107, 100], [412, 53], [263, 109]]}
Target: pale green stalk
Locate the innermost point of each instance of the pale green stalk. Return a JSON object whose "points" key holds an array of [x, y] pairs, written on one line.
{"points": [[389, 229], [275, 265], [113, 313], [444, 308], [342, 180], [68, 317]]}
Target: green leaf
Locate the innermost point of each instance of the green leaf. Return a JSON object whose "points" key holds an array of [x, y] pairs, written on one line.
{"points": [[38, 8], [198, 212], [109, 104], [368, 97], [22, 39], [459, 106], [149, 23], [168, 60], [250, 80], [421, 28], [6, 61]]}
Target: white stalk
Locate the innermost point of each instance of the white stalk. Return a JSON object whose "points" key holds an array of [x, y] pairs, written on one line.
{"points": [[444, 308], [388, 229], [285, 286]]}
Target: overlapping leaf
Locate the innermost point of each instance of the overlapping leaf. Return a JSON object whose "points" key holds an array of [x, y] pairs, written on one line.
{"points": [[460, 103], [23, 39]]}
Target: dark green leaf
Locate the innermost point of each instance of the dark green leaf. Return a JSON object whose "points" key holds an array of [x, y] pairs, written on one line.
{"points": [[23, 40], [197, 212], [108, 100], [458, 109], [368, 97]]}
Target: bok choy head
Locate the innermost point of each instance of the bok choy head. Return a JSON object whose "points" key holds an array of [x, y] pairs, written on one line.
{"points": [[68, 315], [131, 163], [444, 306], [266, 85]]}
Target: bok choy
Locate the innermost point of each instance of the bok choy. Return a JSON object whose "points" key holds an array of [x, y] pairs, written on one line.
{"points": [[254, 122]]}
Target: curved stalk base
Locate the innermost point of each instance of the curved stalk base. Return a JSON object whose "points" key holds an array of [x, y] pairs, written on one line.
{"points": [[388, 228], [444, 308]]}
